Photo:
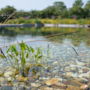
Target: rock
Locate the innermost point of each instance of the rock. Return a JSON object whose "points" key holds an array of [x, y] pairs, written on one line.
{"points": [[70, 87], [73, 82], [1, 73], [6, 88], [80, 71], [55, 63], [52, 81], [80, 63], [59, 86], [21, 78], [83, 80], [85, 75], [10, 84], [67, 69], [69, 74], [73, 69], [85, 70], [35, 85], [8, 74], [76, 83], [44, 78], [46, 88], [9, 79], [2, 79], [84, 87]]}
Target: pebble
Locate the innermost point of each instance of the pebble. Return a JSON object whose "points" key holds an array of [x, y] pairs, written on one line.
{"points": [[46, 88], [8, 74], [72, 88], [52, 81], [84, 87], [35, 85]]}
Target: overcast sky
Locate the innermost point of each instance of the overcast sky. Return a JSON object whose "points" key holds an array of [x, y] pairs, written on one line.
{"points": [[33, 4]]}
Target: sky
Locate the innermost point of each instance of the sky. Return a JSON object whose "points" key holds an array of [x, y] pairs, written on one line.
{"points": [[28, 5]]}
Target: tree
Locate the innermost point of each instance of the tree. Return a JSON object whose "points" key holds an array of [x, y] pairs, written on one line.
{"points": [[78, 3], [87, 9], [60, 8], [77, 10], [35, 14], [56, 10], [60, 5], [22, 14], [7, 10]]}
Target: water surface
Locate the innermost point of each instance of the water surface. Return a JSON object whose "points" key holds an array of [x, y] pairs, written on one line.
{"points": [[61, 40]]}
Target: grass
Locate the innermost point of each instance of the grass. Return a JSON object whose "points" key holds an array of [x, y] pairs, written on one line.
{"points": [[50, 21]]}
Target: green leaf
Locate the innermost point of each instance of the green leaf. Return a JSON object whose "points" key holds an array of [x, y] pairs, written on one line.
{"points": [[2, 56]]}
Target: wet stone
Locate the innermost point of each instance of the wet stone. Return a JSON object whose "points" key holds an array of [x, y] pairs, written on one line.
{"points": [[84, 87], [6, 88], [46, 88], [35, 85], [72, 88]]}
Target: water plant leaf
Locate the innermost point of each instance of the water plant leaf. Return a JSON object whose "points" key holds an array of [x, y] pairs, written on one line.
{"points": [[13, 49], [27, 55], [23, 46], [2, 56]]}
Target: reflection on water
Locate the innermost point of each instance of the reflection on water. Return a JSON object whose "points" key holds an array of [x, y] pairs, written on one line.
{"points": [[76, 35], [67, 38]]}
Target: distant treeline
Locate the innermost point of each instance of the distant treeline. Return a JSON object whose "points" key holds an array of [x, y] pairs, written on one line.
{"points": [[58, 10]]}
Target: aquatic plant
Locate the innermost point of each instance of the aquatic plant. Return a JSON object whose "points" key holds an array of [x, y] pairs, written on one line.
{"points": [[18, 56]]}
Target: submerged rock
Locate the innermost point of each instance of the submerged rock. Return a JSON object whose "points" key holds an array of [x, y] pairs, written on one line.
{"points": [[69, 74], [35, 85], [52, 81], [6, 88], [8, 74], [70, 87], [46, 88], [1, 73], [2, 79], [84, 87], [21, 78]]}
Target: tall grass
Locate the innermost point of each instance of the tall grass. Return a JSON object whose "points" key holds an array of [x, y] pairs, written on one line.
{"points": [[50, 21]]}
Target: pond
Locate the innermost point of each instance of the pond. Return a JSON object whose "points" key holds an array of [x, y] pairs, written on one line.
{"points": [[69, 49]]}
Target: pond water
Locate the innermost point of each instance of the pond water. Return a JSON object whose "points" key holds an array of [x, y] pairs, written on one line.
{"points": [[62, 41], [69, 48]]}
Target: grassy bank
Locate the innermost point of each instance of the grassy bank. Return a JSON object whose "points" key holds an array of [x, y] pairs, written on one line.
{"points": [[50, 21]]}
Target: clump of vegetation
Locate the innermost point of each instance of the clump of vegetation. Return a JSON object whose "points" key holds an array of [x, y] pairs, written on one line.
{"points": [[24, 58], [48, 21]]}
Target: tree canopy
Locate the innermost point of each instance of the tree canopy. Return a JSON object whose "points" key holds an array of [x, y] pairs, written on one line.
{"points": [[57, 10]]}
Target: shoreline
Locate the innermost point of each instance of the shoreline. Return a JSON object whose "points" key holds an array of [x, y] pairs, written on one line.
{"points": [[46, 25]]}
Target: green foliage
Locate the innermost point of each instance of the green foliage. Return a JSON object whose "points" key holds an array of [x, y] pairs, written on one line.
{"points": [[56, 11], [21, 55], [87, 9], [7, 10], [49, 21], [78, 3], [77, 10]]}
